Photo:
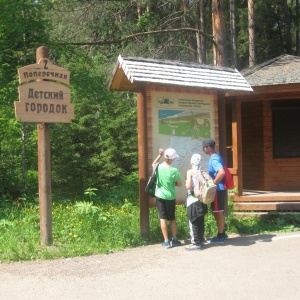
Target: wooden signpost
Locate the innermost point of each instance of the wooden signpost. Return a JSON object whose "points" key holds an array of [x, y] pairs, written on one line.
{"points": [[44, 98], [44, 101]]}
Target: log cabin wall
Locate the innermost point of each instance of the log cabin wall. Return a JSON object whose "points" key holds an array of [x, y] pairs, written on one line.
{"points": [[229, 153], [276, 93], [280, 174], [261, 171], [253, 145]]}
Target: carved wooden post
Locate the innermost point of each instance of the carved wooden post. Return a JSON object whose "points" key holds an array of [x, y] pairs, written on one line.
{"points": [[44, 168]]}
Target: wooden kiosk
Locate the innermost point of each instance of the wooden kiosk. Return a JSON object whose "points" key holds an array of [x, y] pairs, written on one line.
{"points": [[268, 126], [178, 105]]}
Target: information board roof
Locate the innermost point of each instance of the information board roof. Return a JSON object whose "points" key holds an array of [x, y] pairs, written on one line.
{"points": [[130, 72]]}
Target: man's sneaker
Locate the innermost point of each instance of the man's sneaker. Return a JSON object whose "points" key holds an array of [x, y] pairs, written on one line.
{"points": [[193, 247], [217, 240], [166, 245], [225, 236], [176, 242]]}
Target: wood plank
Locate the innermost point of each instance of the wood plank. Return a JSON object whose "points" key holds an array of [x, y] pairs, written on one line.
{"points": [[45, 70], [260, 214], [239, 180], [279, 179], [265, 198], [288, 168], [261, 206], [233, 171], [285, 186], [222, 125], [279, 161]]}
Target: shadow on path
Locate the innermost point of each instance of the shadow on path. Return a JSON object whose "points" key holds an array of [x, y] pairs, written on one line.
{"points": [[240, 241]]}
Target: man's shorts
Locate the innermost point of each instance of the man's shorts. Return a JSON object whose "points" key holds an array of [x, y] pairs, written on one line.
{"points": [[166, 209], [219, 201]]}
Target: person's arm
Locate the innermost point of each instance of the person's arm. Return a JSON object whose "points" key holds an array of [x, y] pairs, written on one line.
{"points": [[178, 183], [217, 165], [189, 179], [161, 153], [220, 175]]}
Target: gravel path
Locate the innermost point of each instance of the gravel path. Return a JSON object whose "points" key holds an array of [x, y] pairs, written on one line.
{"points": [[244, 267]]}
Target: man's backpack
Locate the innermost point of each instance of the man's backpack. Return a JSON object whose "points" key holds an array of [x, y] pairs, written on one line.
{"points": [[204, 189], [228, 179], [151, 185]]}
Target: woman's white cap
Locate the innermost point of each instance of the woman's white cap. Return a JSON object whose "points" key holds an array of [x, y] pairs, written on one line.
{"points": [[170, 153], [195, 159]]}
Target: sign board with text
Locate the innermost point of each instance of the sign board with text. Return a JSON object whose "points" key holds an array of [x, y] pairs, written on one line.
{"points": [[44, 70], [45, 100]]}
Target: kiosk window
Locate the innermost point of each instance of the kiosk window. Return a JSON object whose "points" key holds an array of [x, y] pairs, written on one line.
{"points": [[286, 129]]}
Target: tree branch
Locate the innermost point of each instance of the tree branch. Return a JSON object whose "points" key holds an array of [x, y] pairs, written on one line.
{"points": [[145, 33]]}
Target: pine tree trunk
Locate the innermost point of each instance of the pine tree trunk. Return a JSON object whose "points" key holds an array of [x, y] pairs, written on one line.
{"points": [[139, 11], [297, 28], [219, 33], [201, 43], [233, 33], [189, 38], [288, 25], [252, 54]]}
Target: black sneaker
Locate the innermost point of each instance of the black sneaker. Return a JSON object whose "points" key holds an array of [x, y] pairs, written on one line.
{"points": [[176, 242]]}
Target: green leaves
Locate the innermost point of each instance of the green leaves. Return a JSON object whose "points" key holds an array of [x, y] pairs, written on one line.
{"points": [[86, 207], [99, 148]]}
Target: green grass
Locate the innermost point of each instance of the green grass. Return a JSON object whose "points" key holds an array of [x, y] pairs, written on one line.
{"points": [[103, 224]]}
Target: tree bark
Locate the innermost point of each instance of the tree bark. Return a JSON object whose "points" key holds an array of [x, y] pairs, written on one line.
{"points": [[219, 33], [139, 11], [251, 27], [233, 33], [287, 21], [201, 40], [189, 38], [297, 28]]}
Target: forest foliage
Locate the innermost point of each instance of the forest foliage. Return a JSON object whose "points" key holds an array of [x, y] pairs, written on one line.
{"points": [[98, 149]]}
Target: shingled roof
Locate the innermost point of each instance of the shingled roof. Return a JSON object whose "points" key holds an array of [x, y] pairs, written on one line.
{"points": [[130, 72], [284, 69]]}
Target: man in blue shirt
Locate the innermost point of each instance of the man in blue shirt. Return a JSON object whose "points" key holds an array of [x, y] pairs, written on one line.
{"points": [[216, 171]]}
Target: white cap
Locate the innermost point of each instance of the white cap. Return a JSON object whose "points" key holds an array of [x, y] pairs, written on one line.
{"points": [[170, 153], [195, 159]]}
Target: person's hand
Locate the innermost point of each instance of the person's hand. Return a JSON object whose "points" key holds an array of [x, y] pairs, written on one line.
{"points": [[161, 151]]}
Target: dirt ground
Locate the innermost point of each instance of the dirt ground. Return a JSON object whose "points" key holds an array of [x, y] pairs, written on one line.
{"points": [[244, 267]]}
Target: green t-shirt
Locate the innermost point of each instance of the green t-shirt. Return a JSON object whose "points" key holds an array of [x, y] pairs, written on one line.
{"points": [[166, 179]]}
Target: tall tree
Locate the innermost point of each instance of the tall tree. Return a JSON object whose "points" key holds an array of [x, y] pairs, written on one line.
{"points": [[297, 29], [199, 15], [287, 19], [251, 25], [23, 28], [233, 33], [219, 33], [86, 37], [189, 35]]}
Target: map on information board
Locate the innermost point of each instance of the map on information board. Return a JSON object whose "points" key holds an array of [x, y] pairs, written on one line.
{"points": [[192, 124], [182, 121]]}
